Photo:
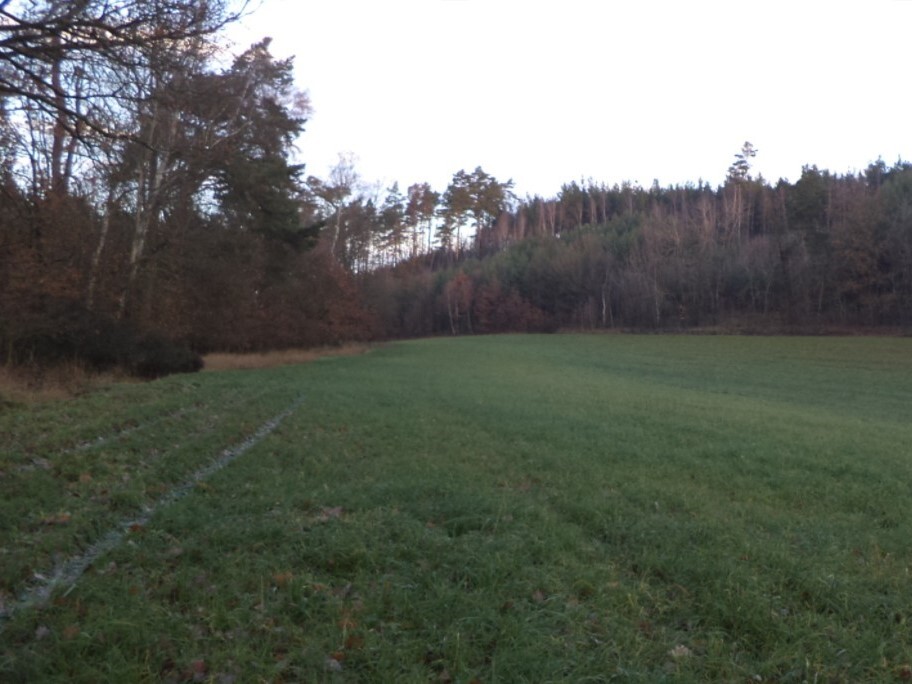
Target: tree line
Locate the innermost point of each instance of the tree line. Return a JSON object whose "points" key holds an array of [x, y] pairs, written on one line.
{"points": [[827, 251], [149, 191], [152, 208]]}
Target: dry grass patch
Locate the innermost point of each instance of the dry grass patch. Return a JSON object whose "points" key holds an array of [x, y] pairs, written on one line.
{"points": [[42, 384], [34, 385], [273, 359]]}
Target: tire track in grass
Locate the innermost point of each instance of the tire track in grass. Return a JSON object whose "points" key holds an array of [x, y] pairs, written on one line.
{"points": [[118, 433], [69, 572], [147, 470]]}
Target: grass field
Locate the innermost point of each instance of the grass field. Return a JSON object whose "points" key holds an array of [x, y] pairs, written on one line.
{"points": [[497, 509]]}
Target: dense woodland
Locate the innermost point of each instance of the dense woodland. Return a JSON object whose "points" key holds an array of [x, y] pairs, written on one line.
{"points": [[152, 208], [826, 252]]}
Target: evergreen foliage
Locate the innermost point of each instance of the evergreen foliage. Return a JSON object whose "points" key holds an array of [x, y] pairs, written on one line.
{"points": [[825, 252]]}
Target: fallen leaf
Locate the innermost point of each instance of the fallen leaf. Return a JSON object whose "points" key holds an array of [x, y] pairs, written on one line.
{"points": [[70, 632], [347, 623], [85, 478], [330, 513], [58, 519], [680, 651], [332, 665], [343, 591], [354, 642], [283, 579], [197, 671], [167, 667]]}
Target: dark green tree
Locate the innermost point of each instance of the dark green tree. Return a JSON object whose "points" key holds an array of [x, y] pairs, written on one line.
{"points": [[477, 198], [394, 235], [261, 115], [420, 210], [212, 148]]}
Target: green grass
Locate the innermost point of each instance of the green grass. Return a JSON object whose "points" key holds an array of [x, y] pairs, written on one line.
{"points": [[517, 508]]}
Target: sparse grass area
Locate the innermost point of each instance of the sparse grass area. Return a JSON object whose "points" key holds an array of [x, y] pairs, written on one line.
{"points": [[517, 508]]}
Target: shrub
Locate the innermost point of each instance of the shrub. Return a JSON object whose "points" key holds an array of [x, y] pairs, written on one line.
{"points": [[155, 356], [55, 331]]}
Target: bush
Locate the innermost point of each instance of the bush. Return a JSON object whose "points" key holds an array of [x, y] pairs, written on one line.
{"points": [[155, 356], [55, 331]]}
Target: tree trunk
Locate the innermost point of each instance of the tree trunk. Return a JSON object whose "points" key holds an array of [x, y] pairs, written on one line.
{"points": [[58, 178], [96, 257], [151, 174]]}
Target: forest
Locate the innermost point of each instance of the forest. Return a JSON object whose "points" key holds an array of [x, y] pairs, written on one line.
{"points": [[153, 208], [826, 253]]}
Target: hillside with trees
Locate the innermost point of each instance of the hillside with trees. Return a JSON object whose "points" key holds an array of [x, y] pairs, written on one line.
{"points": [[153, 209], [826, 252]]}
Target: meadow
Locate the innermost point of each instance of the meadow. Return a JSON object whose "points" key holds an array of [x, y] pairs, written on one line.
{"points": [[580, 508]]}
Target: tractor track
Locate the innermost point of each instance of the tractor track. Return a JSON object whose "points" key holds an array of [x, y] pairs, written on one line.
{"points": [[67, 573]]}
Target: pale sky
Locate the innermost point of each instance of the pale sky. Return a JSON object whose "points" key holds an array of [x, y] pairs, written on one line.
{"points": [[551, 91]]}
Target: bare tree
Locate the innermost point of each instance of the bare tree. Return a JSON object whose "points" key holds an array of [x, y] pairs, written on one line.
{"points": [[73, 68]]}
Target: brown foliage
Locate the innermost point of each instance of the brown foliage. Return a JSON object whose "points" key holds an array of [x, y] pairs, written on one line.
{"points": [[497, 311]]}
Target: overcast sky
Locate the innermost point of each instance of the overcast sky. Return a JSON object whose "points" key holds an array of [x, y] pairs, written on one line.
{"points": [[546, 92]]}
